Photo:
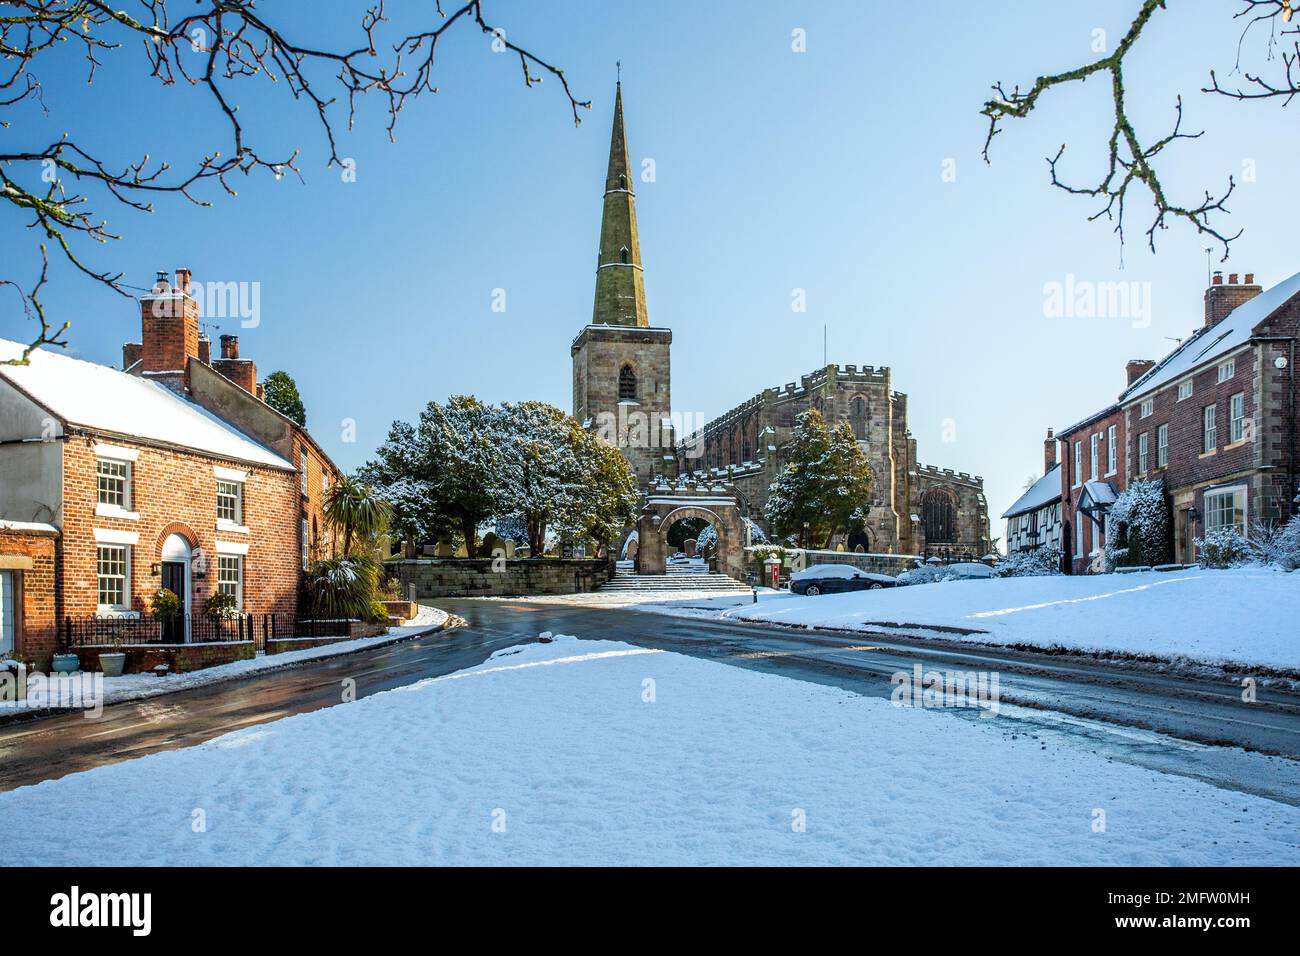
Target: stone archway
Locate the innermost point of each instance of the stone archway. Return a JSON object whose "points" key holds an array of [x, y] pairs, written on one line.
{"points": [[666, 505]]}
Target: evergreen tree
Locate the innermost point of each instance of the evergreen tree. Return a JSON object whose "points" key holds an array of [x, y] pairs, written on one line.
{"points": [[824, 483], [280, 391]]}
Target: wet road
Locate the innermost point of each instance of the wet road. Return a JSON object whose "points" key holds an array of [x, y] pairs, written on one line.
{"points": [[1195, 728]]}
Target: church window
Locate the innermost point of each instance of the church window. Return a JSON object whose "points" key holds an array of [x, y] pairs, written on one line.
{"points": [[858, 416], [937, 513], [622, 181], [626, 383], [624, 256]]}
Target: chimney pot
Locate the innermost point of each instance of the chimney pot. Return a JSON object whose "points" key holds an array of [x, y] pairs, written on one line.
{"points": [[230, 346], [1250, 278], [1232, 278], [1218, 277], [183, 279]]}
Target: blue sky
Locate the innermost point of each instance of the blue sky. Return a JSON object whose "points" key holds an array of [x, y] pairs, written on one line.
{"points": [[775, 170]]}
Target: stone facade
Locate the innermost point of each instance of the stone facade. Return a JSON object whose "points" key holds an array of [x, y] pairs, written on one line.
{"points": [[463, 577], [746, 443]]}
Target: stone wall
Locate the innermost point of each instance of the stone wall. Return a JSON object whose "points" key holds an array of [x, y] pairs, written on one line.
{"points": [[180, 658], [463, 577]]}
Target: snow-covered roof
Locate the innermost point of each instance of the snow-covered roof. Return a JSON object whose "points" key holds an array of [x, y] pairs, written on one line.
{"points": [[1097, 493], [102, 398], [1207, 344], [1042, 492]]}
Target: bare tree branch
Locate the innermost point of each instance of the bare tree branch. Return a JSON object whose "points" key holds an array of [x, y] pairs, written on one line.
{"points": [[1129, 161], [219, 45]]}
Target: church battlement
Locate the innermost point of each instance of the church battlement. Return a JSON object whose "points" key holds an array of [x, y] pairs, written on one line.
{"points": [[947, 474]]}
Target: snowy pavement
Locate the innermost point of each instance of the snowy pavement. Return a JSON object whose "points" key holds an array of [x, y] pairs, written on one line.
{"points": [[140, 686], [598, 752]]}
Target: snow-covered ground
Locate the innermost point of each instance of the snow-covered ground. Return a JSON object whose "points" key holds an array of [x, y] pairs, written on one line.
{"points": [[1244, 616], [598, 752], [138, 686]]}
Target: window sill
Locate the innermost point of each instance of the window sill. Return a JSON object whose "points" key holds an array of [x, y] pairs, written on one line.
{"points": [[1111, 474], [230, 526], [1208, 454], [1236, 444], [113, 511]]}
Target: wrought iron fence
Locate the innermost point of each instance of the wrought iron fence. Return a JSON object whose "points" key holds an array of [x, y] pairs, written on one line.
{"points": [[138, 629]]}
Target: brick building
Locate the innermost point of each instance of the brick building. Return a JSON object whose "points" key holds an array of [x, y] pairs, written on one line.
{"points": [[1214, 421], [171, 473]]}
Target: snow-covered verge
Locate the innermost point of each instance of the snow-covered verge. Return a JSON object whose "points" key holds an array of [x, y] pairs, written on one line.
{"points": [[1243, 616], [139, 686], [598, 752]]}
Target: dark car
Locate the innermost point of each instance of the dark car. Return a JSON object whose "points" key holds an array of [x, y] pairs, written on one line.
{"points": [[834, 578]]}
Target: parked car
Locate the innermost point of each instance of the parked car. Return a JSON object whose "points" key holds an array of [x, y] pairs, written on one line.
{"points": [[959, 571], [834, 578]]}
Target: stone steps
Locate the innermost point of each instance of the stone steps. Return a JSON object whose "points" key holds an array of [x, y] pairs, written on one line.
{"points": [[700, 581]]}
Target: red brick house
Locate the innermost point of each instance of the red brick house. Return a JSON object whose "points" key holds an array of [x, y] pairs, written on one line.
{"points": [[1092, 475], [1214, 421], [172, 473]]}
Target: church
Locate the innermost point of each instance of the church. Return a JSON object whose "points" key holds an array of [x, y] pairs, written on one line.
{"points": [[622, 387]]}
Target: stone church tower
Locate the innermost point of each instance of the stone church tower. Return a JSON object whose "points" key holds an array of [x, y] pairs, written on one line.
{"points": [[621, 384]]}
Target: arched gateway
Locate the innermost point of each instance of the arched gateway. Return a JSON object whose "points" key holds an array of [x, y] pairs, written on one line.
{"points": [[667, 503]]}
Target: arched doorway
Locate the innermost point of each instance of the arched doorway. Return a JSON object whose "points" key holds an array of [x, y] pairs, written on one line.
{"points": [[177, 558], [713, 505]]}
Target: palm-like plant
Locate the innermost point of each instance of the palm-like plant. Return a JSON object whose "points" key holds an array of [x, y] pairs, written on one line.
{"points": [[356, 511]]}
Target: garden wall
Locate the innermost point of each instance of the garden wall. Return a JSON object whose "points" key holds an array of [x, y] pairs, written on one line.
{"points": [[464, 577], [180, 658]]}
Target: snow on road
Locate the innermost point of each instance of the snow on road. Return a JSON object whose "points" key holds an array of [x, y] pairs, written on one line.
{"points": [[597, 752]]}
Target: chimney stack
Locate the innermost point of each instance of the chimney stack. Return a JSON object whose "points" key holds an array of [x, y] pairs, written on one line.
{"points": [[1220, 299], [130, 354], [1049, 451], [169, 325], [205, 348], [243, 372], [1136, 368]]}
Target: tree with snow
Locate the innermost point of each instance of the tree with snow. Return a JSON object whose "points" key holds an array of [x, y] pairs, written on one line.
{"points": [[1138, 527], [442, 472], [825, 481], [280, 391]]}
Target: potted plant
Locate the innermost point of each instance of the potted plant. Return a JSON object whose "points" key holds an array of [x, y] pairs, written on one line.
{"points": [[66, 663], [114, 662]]}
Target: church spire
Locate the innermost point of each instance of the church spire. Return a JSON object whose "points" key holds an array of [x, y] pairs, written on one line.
{"points": [[620, 282]]}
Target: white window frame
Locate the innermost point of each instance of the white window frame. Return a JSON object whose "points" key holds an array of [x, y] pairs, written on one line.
{"points": [[125, 577], [1162, 445], [1094, 444], [1147, 407], [1078, 463], [1228, 369], [1211, 511], [224, 562], [302, 467], [1186, 389], [1078, 533], [306, 556], [1209, 429], [1143, 449], [122, 508], [1236, 417], [1112, 452], [230, 490]]}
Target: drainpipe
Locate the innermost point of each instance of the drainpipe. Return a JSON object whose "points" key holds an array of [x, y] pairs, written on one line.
{"points": [[1291, 472]]}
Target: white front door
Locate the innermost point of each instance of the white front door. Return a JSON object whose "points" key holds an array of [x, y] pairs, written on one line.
{"points": [[7, 612]]}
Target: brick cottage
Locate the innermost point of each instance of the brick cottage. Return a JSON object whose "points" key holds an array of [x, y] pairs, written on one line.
{"points": [[171, 473], [1214, 422]]}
